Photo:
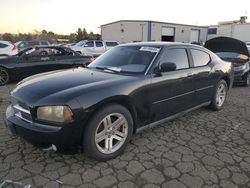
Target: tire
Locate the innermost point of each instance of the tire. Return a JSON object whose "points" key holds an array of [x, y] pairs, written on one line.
{"points": [[43, 54], [4, 76], [247, 80], [218, 102], [112, 141]]}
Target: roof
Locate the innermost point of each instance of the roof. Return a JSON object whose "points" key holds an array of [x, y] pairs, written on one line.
{"points": [[153, 22], [160, 44]]}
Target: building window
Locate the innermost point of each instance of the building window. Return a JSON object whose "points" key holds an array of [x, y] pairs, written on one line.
{"points": [[212, 31]]}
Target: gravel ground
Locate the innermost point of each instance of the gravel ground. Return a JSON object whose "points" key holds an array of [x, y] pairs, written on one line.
{"points": [[201, 149]]}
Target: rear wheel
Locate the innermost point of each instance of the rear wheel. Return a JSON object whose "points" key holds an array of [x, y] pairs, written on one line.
{"points": [[220, 95], [4, 76], [108, 132], [247, 80]]}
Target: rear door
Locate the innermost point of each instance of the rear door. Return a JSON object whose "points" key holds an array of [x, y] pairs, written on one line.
{"points": [[204, 79], [173, 91]]}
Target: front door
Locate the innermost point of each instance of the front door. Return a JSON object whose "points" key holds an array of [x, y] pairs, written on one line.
{"points": [[173, 91]]}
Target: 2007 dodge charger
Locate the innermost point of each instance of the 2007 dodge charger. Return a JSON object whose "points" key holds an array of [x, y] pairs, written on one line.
{"points": [[127, 89]]}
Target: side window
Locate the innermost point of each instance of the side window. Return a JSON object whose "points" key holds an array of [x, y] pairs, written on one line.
{"points": [[111, 43], [98, 44], [44, 43], [89, 44], [177, 56], [200, 58], [3, 45]]}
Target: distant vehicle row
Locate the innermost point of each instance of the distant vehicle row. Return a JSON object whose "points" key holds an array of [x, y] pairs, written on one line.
{"points": [[37, 60]]}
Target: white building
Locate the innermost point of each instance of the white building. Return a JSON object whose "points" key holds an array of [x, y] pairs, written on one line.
{"points": [[125, 31], [238, 29]]}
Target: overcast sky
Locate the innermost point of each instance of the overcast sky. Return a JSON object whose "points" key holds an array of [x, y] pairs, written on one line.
{"points": [[65, 16]]}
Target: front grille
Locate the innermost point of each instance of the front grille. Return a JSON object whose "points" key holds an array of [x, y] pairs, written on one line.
{"points": [[22, 110]]}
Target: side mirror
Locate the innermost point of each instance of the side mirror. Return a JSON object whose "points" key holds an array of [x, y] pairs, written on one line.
{"points": [[85, 45], [168, 66]]}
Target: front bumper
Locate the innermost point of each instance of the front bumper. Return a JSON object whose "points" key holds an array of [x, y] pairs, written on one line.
{"points": [[239, 77], [65, 138]]}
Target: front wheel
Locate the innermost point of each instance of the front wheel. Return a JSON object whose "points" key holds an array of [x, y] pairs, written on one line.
{"points": [[108, 132], [247, 80], [4, 76], [220, 95]]}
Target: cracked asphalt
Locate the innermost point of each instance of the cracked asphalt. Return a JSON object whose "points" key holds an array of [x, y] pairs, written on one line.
{"points": [[201, 149]]}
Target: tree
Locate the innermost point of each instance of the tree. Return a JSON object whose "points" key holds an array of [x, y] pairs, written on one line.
{"points": [[8, 37], [79, 35]]}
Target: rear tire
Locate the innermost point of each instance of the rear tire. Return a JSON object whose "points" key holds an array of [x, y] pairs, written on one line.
{"points": [[4, 76], [247, 80], [220, 95], [108, 132]]}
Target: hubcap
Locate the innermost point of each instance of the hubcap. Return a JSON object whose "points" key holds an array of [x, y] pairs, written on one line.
{"points": [[3, 76], [221, 95], [111, 133]]}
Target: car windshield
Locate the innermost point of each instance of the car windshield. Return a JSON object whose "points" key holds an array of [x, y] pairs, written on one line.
{"points": [[81, 43], [126, 59]]}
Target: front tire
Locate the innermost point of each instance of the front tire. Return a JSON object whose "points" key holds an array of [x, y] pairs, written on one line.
{"points": [[4, 76], [220, 95], [108, 132], [247, 80]]}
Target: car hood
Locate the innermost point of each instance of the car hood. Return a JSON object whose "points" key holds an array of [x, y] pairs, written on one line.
{"points": [[61, 84], [226, 44]]}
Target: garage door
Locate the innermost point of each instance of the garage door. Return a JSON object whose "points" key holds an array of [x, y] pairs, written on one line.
{"points": [[167, 34], [167, 31], [195, 35]]}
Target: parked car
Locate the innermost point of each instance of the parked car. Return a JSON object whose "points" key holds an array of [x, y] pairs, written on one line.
{"points": [[129, 88], [39, 59], [7, 49], [22, 45], [235, 51], [93, 47]]}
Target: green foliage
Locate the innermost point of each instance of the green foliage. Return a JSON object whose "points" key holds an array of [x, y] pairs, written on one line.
{"points": [[81, 34]]}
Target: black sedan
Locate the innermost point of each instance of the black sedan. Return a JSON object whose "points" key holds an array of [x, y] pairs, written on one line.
{"points": [[127, 89], [37, 60], [235, 51]]}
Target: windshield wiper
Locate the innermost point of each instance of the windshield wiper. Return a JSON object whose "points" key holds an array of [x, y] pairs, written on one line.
{"points": [[109, 69]]}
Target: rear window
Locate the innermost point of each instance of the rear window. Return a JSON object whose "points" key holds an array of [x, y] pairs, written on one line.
{"points": [[200, 58], [111, 43], [3, 45]]}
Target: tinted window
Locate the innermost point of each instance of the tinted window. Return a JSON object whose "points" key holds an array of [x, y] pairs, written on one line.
{"points": [[3, 45], [44, 43], [111, 43], [177, 56], [98, 44], [33, 43], [200, 58], [89, 44]]}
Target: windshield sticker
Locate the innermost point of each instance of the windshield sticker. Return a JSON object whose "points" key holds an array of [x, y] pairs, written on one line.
{"points": [[150, 49]]}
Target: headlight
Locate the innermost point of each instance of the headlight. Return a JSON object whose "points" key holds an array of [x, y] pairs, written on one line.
{"points": [[240, 68], [59, 114]]}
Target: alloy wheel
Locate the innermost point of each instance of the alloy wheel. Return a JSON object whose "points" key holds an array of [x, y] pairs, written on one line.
{"points": [[221, 94], [111, 133], [4, 76]]}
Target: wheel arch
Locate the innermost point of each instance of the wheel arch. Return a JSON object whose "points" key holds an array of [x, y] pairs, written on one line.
{"points": [[122, 100]]}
